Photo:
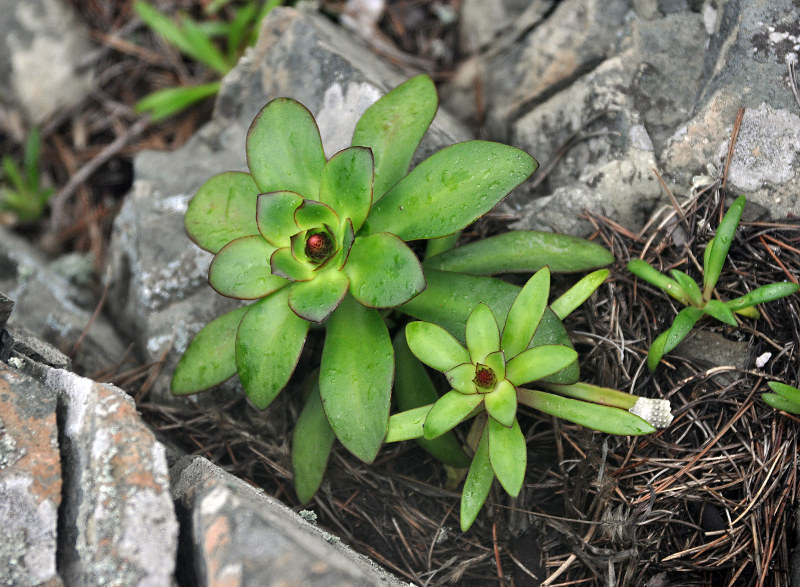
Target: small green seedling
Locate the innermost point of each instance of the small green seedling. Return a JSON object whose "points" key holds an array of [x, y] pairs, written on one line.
{"points": [[487, 378], [22, 196], [784, 397], [196, 40], [699, 301]]}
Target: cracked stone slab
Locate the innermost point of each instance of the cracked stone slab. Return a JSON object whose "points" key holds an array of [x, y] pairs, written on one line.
{"points": [[159, 292], [239, 536], [30, 481]]}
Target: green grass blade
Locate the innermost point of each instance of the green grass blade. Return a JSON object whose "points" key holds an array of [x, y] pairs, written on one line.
{"points": [[164, 103], [643, 270], [578, 293], [762, 295], [715, 258]]}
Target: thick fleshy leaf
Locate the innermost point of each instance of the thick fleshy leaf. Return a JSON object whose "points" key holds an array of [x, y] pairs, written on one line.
{"points": [[346, 237], [787, 391], [781, 403], [551, 331], [722, 243], [482, 333], [449, 298], [526, 313], [355, 379], [539, 362], [346, 184], [478, 483], [681, 325], [496, 362], [461, 378], [315, 300], [688, 285], [434, 346], [450, 189], [268, 345], [408, 425], [413, 388], [763, 294], [594, 416], [312, 441], [284, 264], [241, 269], [643, 270], [522, 251], [383, 271], [508, 454], [223, 209], [209, 359], [720, 311], [656, 350], [578, 293], [437, 246], [393, 128], [501, 404], [275, 216], [447, 413], [313, 214], [284, 149]]}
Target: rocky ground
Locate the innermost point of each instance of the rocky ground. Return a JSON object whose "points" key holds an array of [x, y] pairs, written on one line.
{"points": [[626, 105]]}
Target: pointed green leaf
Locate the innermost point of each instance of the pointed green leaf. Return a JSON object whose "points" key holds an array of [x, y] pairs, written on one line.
{"points": [[461, 378], [551, 331], [707, 254], [449, 411], [209, 359], [314, 300], [508, 455], [346, 184], [284, 264], [643, 270], [437, 246], [526, 313], [223, 209], [790, 393], [383, 271], [656, 350], [313, 214], [355, 379], [393, 128], [312, 441], [681, 326], [413, 388], [539, 362], [501, 404], [722, 242], [268, 345], [762, 295], [241, 269], [720, 311], [522, 251], [688, 285], [408, 425], [275, 216], [162, 104], [578, 293], [597, 417], [482, 333], [781, 403], [496, 362], [450, 189], [284, 149], [478, 483], [434, 346], [449, 298]]}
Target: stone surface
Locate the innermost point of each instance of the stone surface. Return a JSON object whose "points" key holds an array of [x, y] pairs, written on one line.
{"points": [[40, 57], [483, 21], [238, 536], [54, 309], [6, 307], [746, 66], [30, 481], [118, 525], [159, 292]]}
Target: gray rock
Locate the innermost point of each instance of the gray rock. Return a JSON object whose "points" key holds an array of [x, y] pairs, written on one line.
{"points": [[118, 525], [159, 292], [240, 536], [23, 342], [483, 21], [53, 308], [746, 66], [30, 481], [629, 106], [6, 307], [43, 44]]}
